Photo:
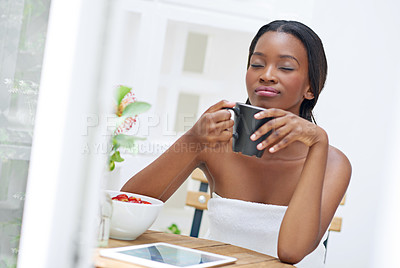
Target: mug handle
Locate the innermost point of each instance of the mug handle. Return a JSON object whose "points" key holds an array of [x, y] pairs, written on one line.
{"points": [[235, 135], [234, 109], [237, 113]]}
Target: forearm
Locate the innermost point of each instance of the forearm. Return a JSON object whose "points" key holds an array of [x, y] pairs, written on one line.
{"points": [[163, 177], [300, 228]]}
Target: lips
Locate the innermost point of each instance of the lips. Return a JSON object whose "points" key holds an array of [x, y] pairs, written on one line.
{"points": [[267, 91]]}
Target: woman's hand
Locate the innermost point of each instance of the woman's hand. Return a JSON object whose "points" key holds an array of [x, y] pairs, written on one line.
{"points": [[214, 126], [286, 128]]}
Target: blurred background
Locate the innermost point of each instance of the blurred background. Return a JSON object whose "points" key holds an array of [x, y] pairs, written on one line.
{"points": [[181, 57]]}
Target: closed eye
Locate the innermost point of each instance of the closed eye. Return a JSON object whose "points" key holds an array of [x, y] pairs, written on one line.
{"points": [[286, 68], [256, 65]]}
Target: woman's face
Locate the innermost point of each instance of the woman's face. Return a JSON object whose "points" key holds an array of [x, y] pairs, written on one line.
{"points": [[278, 73]]}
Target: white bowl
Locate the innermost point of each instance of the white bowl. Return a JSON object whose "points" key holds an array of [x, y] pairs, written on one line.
{"points": [[130, 220]]}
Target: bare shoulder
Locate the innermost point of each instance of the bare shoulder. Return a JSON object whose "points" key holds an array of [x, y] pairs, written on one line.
{"points": [[338, 158], [338, 166]]}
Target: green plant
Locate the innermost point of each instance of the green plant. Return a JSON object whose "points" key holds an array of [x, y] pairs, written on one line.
{"points": [[173, 228], [127, 110]]}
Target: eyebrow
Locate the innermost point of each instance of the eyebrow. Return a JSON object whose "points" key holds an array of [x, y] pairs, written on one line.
{"points": [[280, 56]]}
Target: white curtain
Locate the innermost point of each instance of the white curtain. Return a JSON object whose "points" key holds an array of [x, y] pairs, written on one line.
{"points": [[23, 27]]}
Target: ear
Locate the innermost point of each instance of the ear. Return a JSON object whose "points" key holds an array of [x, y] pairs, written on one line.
{"points": [[308, 94]]}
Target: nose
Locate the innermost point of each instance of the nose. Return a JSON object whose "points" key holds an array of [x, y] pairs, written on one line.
{"points": [[268, 76]]}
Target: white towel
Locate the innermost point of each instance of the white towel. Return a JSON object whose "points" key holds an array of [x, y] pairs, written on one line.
{"points": [[254, 226]]}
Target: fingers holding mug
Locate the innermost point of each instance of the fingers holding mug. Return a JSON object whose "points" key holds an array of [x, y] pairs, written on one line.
{"points": [[277, 135], [271, 112], [221, 116], [225, 125], [271, 125], [221, 105], [211, 127]]}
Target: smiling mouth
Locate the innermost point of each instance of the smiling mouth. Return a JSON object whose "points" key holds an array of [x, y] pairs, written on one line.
{"points": [[267, 91]]}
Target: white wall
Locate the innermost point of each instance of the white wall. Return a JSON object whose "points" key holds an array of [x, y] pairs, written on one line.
{"points": [[358, 109]]}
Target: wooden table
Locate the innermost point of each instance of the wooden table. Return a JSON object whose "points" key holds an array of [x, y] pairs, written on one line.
{"points": [[245, 258]]}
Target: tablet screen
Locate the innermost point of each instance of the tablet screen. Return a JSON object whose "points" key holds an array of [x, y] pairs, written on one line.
{"points": [[170, 255]]}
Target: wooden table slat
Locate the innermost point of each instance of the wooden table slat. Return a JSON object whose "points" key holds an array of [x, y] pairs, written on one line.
{"points": [[246, 258]]}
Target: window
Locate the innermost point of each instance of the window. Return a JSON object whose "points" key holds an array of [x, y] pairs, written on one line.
{"points": [[22, 40]]}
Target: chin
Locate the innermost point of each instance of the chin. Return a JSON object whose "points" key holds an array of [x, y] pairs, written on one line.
{"points": [[261, 104]]}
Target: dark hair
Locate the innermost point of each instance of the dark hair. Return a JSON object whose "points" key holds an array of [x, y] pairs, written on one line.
{"points": [[317, 65]]}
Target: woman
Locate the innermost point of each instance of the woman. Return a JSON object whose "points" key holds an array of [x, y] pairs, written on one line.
{"points": [[300, 176]]}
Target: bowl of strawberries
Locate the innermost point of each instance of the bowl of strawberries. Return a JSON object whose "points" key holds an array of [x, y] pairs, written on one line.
{"points": [[132, 214]]}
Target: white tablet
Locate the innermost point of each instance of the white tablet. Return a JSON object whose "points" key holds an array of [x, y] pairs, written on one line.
{"points": [[166, 255]]}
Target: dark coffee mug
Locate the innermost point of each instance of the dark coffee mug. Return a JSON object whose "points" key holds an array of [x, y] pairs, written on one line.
{"points": [[245, 125]]}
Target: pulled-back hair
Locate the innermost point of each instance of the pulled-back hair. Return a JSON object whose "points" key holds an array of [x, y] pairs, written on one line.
{"points": [[317, 65]]}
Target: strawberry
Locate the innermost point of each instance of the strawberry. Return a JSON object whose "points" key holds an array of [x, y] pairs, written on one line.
{"points": [[121, 197], [131, 199]]}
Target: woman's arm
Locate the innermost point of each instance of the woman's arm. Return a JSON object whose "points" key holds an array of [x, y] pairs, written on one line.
{"points": [[163, 176], [301, 226], [322, 184]]}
